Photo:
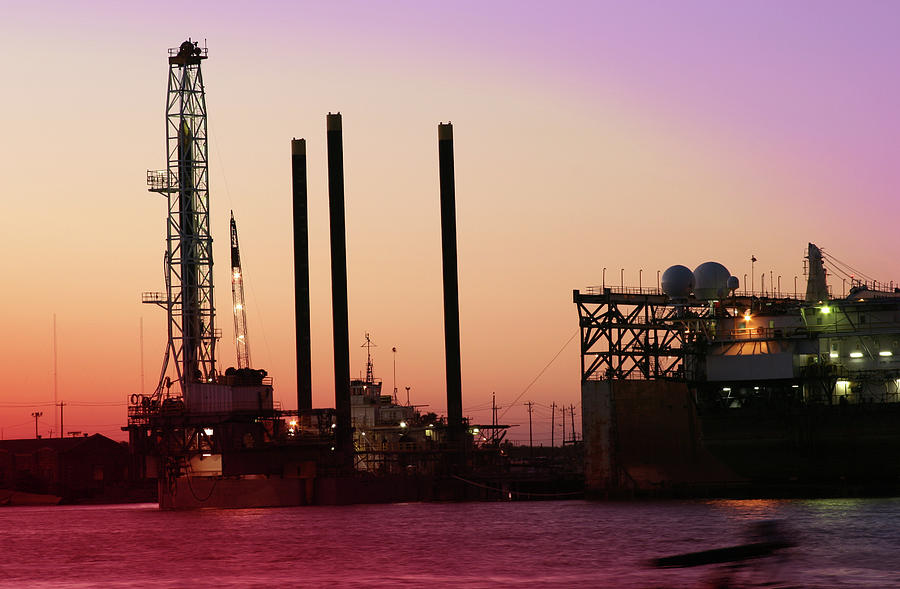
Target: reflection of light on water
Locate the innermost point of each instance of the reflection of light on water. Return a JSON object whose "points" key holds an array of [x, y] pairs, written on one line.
{"points": [[831, 509], [748, 509]]}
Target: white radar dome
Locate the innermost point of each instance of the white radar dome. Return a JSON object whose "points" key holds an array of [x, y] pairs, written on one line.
{"points": [[711, 281], [677, 282], [733, 283]]}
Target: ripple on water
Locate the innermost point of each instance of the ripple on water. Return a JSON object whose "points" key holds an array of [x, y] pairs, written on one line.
{"points": [[844, 543]]}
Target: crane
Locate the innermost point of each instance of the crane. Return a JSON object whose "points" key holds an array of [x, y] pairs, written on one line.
{"points": [[237, 295]]}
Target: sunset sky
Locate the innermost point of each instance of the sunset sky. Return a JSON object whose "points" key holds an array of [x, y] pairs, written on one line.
{"points": [[630, 135]]}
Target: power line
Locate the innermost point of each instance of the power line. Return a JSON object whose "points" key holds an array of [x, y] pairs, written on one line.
{"points": [[543, 370]]}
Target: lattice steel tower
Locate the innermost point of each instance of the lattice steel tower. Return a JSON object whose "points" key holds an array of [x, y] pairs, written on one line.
{"points": [[188, 262]]}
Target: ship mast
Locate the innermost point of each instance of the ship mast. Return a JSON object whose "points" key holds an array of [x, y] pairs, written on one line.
{"points": [[370, 368]]}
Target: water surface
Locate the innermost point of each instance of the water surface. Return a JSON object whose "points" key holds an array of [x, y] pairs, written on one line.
{"points": [[843, 543]]}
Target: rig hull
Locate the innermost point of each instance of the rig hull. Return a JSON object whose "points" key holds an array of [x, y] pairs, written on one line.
{"points": [[647, 438]]}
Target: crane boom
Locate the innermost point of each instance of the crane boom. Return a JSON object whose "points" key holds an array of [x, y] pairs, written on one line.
{"points": [[237, 295]]}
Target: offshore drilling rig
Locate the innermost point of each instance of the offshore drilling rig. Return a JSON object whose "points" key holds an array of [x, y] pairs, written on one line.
{"points": [[212, 438], [201, 428], [217, 439]]}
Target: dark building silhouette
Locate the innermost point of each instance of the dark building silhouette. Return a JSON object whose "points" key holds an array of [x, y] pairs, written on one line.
{"points": [[89, 467]]}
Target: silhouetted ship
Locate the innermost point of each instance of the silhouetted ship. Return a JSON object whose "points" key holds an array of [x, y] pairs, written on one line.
{"points": [[230, 447], [696, 388]]}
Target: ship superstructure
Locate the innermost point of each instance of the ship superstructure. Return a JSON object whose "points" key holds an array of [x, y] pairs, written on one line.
{"points": [[698, 382], [389, 436]]}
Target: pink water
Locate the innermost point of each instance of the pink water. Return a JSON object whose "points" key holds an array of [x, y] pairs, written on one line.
{"points": [[843, 543]]}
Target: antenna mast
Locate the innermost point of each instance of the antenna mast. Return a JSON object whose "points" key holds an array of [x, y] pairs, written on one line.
{"points": [[237, 296], [55, 377], [370, 369], [394, 350]]}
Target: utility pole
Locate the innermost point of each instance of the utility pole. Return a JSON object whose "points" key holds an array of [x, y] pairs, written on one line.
{"points": [[62, 434], [572, 412], [36, 415], [563, 426], [553, 424], [494, 418], [530, 406], [407, 396]]}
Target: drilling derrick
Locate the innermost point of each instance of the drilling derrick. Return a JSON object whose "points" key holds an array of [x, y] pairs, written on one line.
{"points": [[188, 299], [237, 296]]}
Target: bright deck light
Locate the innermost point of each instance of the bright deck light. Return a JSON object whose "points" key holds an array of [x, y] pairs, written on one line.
{"points": [[856, 354], [885, 353]]}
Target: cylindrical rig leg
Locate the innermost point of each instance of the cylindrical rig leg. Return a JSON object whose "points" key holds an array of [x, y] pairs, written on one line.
{"points": [[343, 434], [301, 275], [451, 282]]}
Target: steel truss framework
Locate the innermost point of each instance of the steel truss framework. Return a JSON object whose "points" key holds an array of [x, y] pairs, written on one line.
{"points": [[633, 335], [189, 284]]}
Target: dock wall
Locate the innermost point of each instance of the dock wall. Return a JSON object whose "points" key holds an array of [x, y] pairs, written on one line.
{"points": [[644, 437]]}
